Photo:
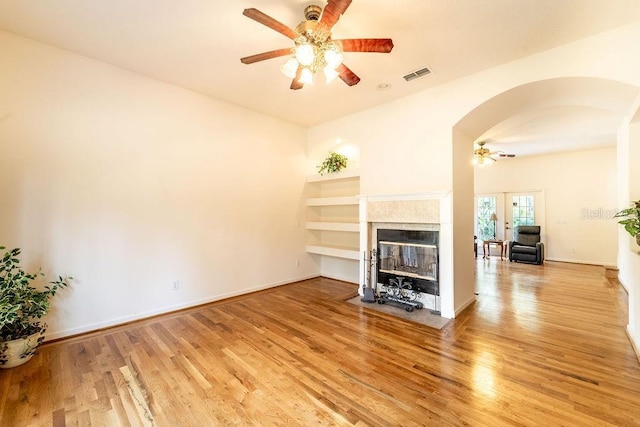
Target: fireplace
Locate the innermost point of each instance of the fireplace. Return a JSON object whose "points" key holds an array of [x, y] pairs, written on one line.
{"points": [[414, 265], [412, 256]]}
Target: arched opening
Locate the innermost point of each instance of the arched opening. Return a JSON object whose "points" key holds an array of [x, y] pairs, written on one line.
{"points": [[561, 114], [563, 132]]}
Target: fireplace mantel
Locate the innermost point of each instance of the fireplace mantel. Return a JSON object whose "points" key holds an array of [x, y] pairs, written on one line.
{"points": [[406, 208]]}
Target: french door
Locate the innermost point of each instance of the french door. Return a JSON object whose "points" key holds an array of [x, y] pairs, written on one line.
{"points": [[524, 209], [511, 209], [486, 205]]}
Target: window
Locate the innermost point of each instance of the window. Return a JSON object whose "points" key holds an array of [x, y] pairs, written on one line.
{"points": [[486, 207], [523, 210]]}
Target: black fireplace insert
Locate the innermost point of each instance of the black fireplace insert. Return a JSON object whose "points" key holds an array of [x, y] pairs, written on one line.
{"points": [[410, 254]]}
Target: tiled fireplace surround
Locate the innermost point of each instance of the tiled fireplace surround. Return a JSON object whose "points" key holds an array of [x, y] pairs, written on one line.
{"points": [[429, 211]]}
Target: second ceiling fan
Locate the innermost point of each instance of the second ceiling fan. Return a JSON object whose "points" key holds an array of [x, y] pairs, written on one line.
{"points": [[483, 156], [314, 49]]}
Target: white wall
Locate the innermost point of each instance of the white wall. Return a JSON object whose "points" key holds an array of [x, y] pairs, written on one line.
{"points": [[463, 214], [629, 189], [129, 184], [580, 200]]}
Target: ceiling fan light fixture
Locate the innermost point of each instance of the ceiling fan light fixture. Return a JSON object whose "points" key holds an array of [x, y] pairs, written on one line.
{"points": [[314, 49], [290, 68], [482, 155], [333, 57], [305, 54], [330, 74], [482, 160], [306, 77]]}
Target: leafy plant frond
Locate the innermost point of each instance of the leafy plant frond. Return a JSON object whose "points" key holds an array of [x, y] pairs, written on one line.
{"points": [[333, 163], [631, 221], [22, 304]]}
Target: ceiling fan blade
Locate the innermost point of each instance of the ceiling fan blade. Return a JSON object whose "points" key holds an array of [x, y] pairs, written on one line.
{"points": [[268, 21], [365, 45], [347, 76], [295, 83], [265, 55], [331, 13]]}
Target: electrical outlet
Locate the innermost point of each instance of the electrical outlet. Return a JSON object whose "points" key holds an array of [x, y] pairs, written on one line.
{"points": [[297, 263], [175, 285]]}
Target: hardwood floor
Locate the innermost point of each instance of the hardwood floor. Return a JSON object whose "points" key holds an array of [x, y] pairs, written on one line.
{"points": [[543, 345]]}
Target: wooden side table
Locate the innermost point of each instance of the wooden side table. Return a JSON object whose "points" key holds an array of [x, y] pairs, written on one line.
{"points": [[486, 248]]}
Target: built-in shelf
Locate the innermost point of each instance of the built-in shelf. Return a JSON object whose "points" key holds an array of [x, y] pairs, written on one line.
{"points": [[334, 251], [333, 210], [334, 226], [333, 201], [336, 176]]}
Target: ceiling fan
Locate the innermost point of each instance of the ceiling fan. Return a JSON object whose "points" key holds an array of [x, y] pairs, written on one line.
{"points": [[482, 156], [314, 49]]}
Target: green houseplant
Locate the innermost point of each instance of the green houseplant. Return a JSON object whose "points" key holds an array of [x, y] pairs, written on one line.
{"points": [[631, 221], [21, 307], [333, 163]]}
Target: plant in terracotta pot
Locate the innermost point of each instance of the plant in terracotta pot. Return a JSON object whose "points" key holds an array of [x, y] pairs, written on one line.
{"points": [[631, 221], [21, 307]]}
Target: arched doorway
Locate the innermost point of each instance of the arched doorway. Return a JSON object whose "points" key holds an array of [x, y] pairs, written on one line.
{"points": [[538, 120]]}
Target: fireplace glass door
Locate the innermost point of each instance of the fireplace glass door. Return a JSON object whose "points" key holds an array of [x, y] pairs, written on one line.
{"points": [[414, 260]]}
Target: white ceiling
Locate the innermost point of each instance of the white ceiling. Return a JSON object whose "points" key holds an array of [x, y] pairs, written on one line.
{"points": [[197, 44], [563, 114]]}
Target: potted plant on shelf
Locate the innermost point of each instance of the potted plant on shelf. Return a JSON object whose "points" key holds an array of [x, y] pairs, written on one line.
{"points": [[21, 307], [631, 221], [333, 163]]}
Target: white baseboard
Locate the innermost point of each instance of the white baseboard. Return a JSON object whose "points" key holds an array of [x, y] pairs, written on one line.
{"points": [[578, 261], [167, 309], [341, 278], [464, 306], [623, 285], [636, 347]]}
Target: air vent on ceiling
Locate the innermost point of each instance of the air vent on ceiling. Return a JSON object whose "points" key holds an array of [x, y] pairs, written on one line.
{"points": [[418, 73]]}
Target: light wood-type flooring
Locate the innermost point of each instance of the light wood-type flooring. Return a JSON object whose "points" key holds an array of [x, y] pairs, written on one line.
{"points": [[542, 346]]}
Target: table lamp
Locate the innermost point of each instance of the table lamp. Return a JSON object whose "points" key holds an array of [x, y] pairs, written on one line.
{"points": [[494, 218]]}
